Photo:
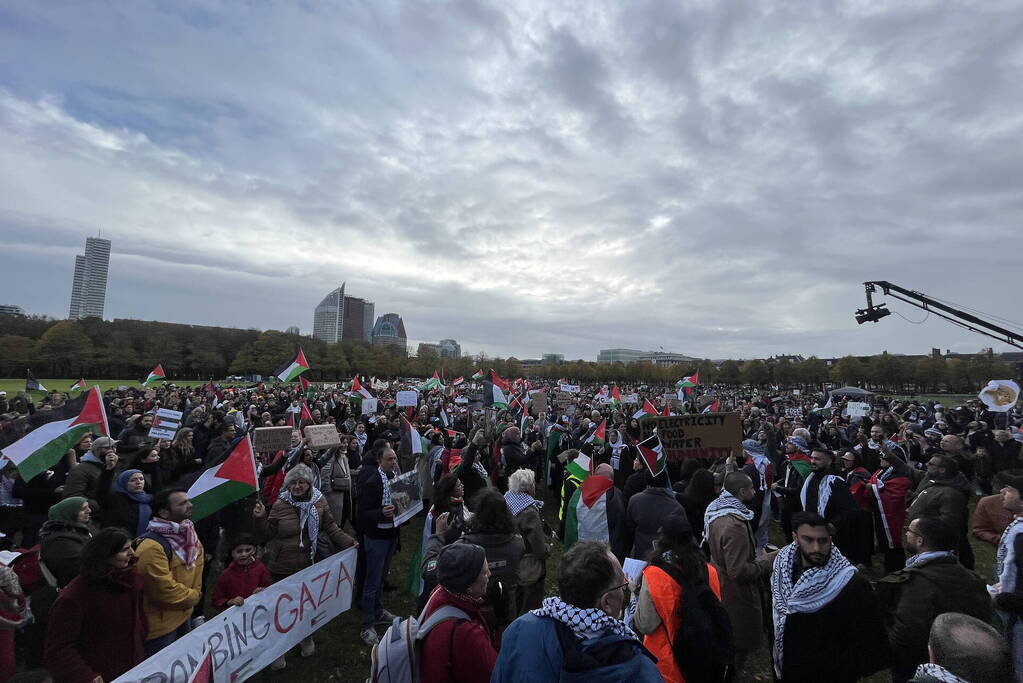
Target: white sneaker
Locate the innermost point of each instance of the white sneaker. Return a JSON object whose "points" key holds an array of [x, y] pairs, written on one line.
{"points": [[369, 636], [308, 647], [278, 663]]}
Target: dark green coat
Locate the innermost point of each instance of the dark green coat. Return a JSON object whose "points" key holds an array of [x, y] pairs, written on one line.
{"points": [[911, 598]]}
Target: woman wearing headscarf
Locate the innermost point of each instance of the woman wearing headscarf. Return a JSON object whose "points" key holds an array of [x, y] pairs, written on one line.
{"points": [[294, 525], [890, 486], [126, 504], [860, 545], [98, 625], [64, 534], [621, 455]]}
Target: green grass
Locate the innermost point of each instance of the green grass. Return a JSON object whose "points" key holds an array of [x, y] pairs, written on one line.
{"points": [[12, 386]]}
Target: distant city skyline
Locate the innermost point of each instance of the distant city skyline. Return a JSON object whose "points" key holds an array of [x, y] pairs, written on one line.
{"points": [[89, 284]]}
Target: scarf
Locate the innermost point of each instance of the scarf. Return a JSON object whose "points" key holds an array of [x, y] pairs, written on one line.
{"points": [[181, 536], [91, 457], [823, 491], [585, 623], [481, 470], [722, 506], [308, 516], [140, 497], [517, 502], [924, 558], [1005, 558], [939, 672], [385, 499], [815, 588], [616, 451]]}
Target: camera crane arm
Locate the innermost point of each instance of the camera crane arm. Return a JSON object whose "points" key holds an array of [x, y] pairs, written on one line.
{"points": [[873, 313]]}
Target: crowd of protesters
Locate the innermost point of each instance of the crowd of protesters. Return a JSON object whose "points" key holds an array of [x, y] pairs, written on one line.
{"points": [[874, 513]]}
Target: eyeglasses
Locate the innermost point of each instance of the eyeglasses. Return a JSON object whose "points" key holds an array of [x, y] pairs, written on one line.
{"points": [[616, 588]]}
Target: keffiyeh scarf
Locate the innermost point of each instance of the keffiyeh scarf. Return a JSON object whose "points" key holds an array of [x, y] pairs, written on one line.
{"points": [[723, 505], [308, 517], [939, 672], [1005, 558], [924, 558], [616, 452], [823, 491], [815, 588], [181, 536], [585, 623], [517, 502], [386, 498]]}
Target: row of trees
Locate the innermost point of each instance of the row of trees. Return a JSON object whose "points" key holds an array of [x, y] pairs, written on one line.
{"points": [[123, 349]]}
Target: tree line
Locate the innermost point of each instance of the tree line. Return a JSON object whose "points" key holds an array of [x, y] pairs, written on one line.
{"points": [[123, 349]]}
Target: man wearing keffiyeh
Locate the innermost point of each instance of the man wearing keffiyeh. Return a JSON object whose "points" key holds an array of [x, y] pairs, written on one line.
{"points": [[827, 621]]}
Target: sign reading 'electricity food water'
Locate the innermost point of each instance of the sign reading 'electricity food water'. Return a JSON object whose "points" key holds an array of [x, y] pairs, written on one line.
{"points": [[701, 435], [247, 638]]}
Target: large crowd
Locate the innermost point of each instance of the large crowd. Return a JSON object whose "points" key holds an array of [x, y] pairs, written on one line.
{"points": [[666, 574]]}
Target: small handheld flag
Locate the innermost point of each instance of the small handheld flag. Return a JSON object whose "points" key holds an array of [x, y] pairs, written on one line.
{"points": [[289, 371], [156, 375], [652, 453]]}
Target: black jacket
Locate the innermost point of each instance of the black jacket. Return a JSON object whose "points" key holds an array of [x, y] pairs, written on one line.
{"points": [[370, 516]]}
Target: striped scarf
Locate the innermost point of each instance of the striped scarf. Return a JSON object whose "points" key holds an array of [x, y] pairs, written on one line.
{"points": [[815, 588]]}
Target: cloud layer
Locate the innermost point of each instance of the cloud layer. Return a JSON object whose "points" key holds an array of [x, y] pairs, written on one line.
{"points": [[712, 178]]}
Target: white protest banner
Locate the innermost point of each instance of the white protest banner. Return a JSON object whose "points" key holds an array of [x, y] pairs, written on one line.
{"points": [[461, 399], [407, 398], [796, 392], [856, 409], [369, 406], [378, 385], [247, 638], [406, 496], [569, 388], [630, 398]]}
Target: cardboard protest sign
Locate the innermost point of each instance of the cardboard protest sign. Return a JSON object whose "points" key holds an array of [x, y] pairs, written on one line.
{"points": [[562, 399], [538, 403], [246, 638], [165, 423], [569, 388], [407, 398], [271, 439], [369, 406], [322, 436], [406, 496], [857, 409], [699, 435]]}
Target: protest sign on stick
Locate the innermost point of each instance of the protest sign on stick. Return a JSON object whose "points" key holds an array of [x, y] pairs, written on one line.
{"points": [[857, 409], [271, 439], [165, 423], [699, 435], [369, 406], [407, 398], [246, 638], [538, 403]]}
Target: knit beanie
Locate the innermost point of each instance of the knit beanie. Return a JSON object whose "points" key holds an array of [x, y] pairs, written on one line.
{"points": [[67, 510], [459, 565]]}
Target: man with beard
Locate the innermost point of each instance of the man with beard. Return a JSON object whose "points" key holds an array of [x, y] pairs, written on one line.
{"points": [[827, 494], [869, 450], [945, 494], [827, 620]]}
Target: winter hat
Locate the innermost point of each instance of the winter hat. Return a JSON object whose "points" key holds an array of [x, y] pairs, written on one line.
{"points": [[67, 510], [677, 528], [799, 442], [753, 447], [459, 565]]}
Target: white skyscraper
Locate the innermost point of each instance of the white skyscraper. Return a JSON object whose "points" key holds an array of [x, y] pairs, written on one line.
{"points": [[89, 288], [329, 316]]}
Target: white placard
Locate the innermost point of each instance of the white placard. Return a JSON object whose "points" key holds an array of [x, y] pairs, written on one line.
{"points": [[630, 398], [247, 638], [407, 398], [856, 409], [369, 406], [632, 568], [171, 415], [569, 388]]}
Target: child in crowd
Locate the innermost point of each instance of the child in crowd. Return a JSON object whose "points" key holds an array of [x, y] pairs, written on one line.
{"points": [[245, 575]]}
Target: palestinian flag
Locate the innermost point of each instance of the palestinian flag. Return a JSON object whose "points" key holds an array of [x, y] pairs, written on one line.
{"points": [[825, 408], [713, 407], [801, 462], [78, 386], [599, 435], [157, 375], [306, 384], [358, 391], [477, 375], [503, 384], [204, 672], [432, 383], [616, 397], [289, 371], [586, 513], [652, 453], [647, 409], [688, 382], [411, 439], [42, 444], [225, 483], [457, 381], [581, 467], [666, 411], [493, 396], [307, 415], [602, 394], [32, 384]]}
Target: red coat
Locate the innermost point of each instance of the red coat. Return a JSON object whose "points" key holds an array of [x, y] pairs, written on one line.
{"points": [[96, 629], [239, 582], [467, 643]]}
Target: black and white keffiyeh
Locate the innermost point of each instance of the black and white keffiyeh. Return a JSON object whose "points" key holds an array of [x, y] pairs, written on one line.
{"points": [[723, 505], [386, 498], [815, 588], [585, 623], [939, 672], [924, 558], [308, 517], [823, 490], [1005, 558]]}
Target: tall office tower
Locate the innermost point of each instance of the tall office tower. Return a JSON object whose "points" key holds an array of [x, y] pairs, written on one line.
{"points": [[89, 288], [329, 317]]}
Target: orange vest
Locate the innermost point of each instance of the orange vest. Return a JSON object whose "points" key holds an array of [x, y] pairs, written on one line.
{"points": [[666, 595]]}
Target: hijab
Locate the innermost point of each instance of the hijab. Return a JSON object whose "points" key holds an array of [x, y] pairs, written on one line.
{"points": [[140, 498]]}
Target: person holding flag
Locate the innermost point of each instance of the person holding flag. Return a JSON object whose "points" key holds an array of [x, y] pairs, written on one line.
{"points": [[596, 512], [649, 508]]}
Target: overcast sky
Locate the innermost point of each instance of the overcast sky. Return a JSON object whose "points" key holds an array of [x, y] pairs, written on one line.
{"points": [[714, 178]]}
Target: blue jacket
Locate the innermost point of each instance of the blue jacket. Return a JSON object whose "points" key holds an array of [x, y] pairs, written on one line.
{"points": [[531, 653]]}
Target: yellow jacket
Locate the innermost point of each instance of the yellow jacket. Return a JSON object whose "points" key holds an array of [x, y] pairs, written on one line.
{"points": [[169, 593]]}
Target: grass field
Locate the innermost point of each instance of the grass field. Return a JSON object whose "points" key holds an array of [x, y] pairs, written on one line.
{"points": [[13, 386]]}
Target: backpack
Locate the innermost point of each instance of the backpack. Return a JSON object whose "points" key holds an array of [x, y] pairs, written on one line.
{"points": [[608, 658], [704, 649], [31, 571], [395, 658], [153, 536]]}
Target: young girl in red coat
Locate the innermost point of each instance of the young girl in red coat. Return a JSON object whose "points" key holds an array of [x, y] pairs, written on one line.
{"points": [[245, 575]]}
